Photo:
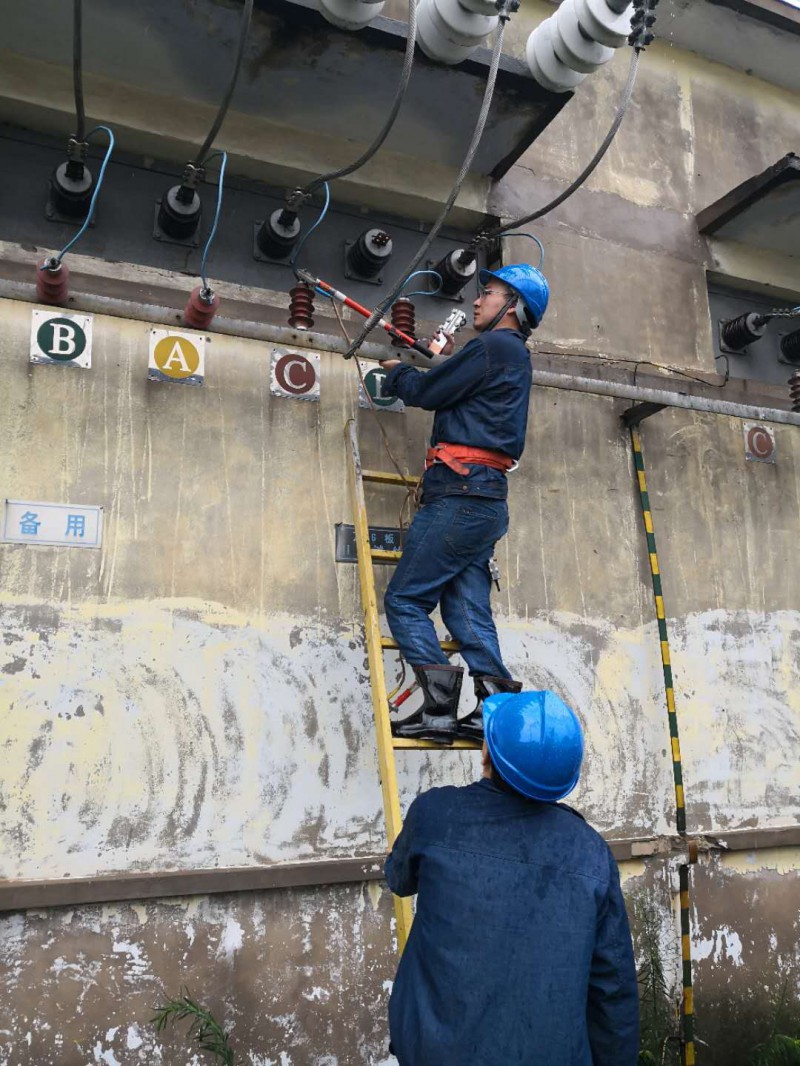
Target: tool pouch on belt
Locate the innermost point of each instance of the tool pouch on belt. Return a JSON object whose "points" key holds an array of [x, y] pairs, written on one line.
{"points": [[456, 456]]}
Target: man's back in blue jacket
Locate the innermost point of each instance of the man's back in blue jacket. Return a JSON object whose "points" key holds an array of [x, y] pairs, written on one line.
{"points": [[520, 952]]}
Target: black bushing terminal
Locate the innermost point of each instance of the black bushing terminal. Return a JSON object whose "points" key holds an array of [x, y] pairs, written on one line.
{"points": [[179, 212], [71, 186]]}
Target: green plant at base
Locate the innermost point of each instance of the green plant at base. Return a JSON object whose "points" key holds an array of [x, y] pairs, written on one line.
{"points": [[204, 1029], [779, 1050]]}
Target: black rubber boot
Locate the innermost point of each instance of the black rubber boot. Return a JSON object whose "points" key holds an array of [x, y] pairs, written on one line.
{"points": [[436, 718], [471, 727]]}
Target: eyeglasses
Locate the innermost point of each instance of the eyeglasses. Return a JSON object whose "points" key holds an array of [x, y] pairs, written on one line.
{"points": [[488, 292]]}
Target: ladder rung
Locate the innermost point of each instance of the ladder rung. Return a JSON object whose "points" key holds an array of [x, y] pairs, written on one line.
{"points": [[384, 477], [381, 556], [402, 742], [391, 644]]}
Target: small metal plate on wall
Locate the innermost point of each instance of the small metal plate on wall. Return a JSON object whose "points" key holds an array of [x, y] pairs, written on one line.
{"points": [[759, 443], [384, 538]]}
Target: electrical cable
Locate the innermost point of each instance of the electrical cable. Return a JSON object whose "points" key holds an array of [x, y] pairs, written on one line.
{"points": [[591, 166], [399, 96], [420, 292], [56, 259], [77, 69], [530, 237], [372, 321], [306, 235], [247, 13], [213, 232]]}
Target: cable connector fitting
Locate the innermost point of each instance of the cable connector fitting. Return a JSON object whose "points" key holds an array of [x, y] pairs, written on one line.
{"points": [[642, 21], [296, 198]]}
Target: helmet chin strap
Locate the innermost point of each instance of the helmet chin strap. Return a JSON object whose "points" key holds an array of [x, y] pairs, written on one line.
{"points": [[501, 314], [520, 311]]}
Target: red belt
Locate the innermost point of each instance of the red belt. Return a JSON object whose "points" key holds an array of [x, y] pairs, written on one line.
{"points": [[456, 456]]}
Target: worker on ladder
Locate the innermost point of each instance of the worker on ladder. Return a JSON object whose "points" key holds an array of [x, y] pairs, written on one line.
{"points": [[480, 396]]}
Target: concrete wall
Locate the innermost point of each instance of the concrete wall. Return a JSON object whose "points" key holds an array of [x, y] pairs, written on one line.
{"points": [[195, 694]]}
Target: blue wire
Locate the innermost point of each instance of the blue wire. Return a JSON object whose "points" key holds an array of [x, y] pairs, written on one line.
{"points": [[530, 237], [305, 236], [95, 194], [216, 218], [422, 292]]}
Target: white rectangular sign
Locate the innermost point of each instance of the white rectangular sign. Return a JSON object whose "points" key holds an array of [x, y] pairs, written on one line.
{"points": [[374, 377], [29, 522], [178, 357], [58, 337]]}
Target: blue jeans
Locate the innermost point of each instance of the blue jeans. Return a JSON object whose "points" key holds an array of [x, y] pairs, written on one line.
{"points": [[445, 561]]}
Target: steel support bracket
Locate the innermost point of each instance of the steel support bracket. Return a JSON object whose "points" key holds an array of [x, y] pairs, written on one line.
{"points": [[636, 414]]}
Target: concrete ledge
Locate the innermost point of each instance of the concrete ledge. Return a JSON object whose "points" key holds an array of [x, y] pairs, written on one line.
{"points": [[108, 888]]}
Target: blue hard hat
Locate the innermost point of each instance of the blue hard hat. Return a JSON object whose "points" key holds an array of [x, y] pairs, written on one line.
{"points": [[530, 283], [535, 741]]}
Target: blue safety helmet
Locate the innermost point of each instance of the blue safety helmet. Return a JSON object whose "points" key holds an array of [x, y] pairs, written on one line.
{"points": [[535, 741], [530, 283]]}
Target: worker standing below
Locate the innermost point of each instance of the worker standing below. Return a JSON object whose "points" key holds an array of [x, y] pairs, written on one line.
{"points": [[520, 953], [480, 396]]}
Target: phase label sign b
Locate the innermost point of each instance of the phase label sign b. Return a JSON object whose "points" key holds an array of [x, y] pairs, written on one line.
{"points": [[178, 357], [57, 337]]}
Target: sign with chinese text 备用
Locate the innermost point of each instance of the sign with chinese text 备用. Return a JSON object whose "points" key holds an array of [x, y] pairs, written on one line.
{"points": [[178, 357], [374, 377], [57, 337], [295, 375], [27, 522]]}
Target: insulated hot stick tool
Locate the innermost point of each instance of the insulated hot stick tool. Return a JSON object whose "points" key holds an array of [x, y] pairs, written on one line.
{"points": [[341, 298], [455, 321]]}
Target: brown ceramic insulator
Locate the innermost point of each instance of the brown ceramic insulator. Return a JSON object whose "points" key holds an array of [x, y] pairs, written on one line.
{"points": [[301, 306], [200, 308], [403, 318], [794, 390], [52, 286]]}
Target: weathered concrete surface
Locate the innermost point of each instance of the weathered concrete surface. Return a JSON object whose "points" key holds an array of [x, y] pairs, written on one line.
{"points": [[297, 977], [745, 949]]}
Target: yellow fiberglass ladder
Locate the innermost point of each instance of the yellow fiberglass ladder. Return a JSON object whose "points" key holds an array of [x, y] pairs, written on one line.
{"points": [[376, 646]]}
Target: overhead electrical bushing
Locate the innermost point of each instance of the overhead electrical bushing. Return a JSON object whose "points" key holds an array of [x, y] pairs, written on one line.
{"points": [[179, 212], [404, 318], [456, 269], [301, 306], [71, 187], [277, 235], [200, 308], [737, 333], [370, 253], [790, 347], [351, 14], [794, 390], [52, 283]]}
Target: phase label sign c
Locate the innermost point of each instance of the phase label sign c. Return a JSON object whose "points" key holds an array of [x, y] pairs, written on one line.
{"points": [[178, 357], [295, 375], [57, 337]]}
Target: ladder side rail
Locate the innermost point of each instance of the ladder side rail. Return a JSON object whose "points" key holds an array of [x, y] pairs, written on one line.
{"points": [[380, 703]]}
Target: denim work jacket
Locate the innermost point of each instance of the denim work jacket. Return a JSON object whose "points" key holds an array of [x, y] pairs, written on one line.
{"points": [[520, 952], [480, 396]]}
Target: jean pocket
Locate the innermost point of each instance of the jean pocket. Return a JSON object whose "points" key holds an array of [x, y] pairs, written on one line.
{"points": [[475, 527]]}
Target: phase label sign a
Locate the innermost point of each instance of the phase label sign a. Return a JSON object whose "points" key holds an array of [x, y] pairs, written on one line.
{"points": [[295, 375], [61, 339], [176, 357]]}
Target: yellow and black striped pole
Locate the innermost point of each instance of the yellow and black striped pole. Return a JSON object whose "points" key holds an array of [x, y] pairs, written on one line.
{"points": [[677, 768]]}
